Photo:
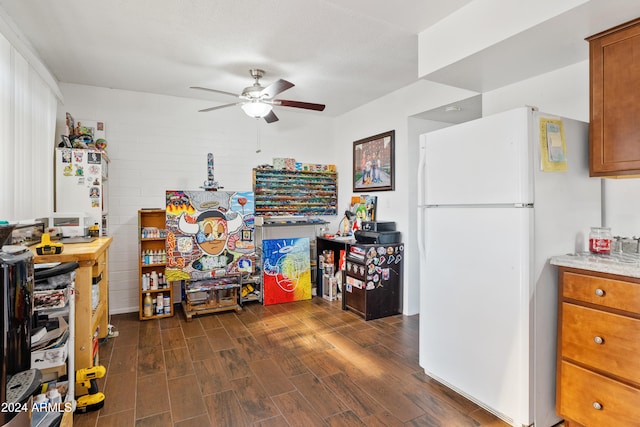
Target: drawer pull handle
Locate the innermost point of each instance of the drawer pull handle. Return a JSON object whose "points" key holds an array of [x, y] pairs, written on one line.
{"points": [[597, 406], [598, 340], [599, 292]]}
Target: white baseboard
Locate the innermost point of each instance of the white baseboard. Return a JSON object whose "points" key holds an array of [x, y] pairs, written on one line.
{"points": [[123, 310]]}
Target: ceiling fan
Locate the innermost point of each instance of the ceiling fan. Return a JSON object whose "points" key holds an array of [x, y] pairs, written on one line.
{"points": [[258, 101]]}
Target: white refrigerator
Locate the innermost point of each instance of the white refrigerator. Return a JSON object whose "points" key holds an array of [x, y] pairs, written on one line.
{"points": [[82, 184], [489, 219]]}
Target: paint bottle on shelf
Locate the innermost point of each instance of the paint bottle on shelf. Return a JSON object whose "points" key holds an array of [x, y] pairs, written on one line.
{"points": [[159, 304], [147, 310], [154, 280], [167, 304]]}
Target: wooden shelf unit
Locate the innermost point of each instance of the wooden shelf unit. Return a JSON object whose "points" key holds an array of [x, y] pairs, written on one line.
{"points": [[152, 218]]}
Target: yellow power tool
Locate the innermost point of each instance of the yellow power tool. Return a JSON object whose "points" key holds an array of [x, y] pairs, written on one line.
{"points": [[87, 378], [47, 247]]}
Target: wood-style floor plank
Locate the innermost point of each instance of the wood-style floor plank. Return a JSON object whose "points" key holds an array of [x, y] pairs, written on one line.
{"points": [[306, 363], [151, 395], [225, 410], [256, 403], [297, 410], [185, 397]]}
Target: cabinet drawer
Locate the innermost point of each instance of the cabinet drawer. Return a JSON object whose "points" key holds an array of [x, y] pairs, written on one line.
{"points": [[606, 292], [583, 392], [607, 341]]}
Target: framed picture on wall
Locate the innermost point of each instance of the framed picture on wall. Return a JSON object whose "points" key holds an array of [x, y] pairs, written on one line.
{"points": [[373, 163]]}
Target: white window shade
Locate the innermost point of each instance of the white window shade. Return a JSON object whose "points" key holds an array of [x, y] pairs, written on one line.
{"points": [[27, 136]]}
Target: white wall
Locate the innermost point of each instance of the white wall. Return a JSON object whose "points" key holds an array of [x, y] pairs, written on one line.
{"points": [[157, 143], [565, 92], [393, 112]]}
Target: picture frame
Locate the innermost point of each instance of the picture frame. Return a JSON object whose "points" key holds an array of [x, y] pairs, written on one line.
{"points": [[373, 163]]}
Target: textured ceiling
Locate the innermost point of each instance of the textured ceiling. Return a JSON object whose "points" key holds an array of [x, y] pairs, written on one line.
{"points": [[342, 53]]}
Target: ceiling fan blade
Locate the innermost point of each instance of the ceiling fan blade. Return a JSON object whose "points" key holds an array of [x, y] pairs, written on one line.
{"points": [[275, 88], [219, 107], [213, 90], [298, 104], [271, 117]]}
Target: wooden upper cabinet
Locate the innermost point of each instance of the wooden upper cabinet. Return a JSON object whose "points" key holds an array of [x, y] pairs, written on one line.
{"points": [[615, 101]]}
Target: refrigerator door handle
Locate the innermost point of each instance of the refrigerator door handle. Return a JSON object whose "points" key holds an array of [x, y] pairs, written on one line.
{"points": [[421, 175], [421, 236], [422, 199]]}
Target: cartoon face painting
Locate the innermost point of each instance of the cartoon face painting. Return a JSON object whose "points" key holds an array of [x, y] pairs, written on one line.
{"points": [[212, 232]]}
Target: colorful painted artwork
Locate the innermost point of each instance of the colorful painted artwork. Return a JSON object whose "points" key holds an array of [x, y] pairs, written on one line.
{"points": [[209, 234], [286, 270], [364, 207]]}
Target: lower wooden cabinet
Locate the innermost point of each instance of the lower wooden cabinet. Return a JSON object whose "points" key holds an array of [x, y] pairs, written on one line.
{"points": [[373, 280], [598, 370]]}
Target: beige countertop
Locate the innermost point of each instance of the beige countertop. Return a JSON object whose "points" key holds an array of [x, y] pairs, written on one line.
{"points": [[624, 266]]}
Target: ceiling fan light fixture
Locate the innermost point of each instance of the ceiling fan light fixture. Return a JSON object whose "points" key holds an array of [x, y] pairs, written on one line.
{"points": [[256, 109]]}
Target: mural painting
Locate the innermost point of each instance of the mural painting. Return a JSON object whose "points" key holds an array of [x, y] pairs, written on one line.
{"points": [[286, 270], [209, 234]]}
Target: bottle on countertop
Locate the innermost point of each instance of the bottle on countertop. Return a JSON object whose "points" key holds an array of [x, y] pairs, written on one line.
{"points": [[600, 240]]}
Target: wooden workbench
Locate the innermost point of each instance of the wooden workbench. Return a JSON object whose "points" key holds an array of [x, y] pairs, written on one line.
{"points": [[94, 260]]}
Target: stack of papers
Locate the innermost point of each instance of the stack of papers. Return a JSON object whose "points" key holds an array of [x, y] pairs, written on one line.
{"points": [[54, 338]]}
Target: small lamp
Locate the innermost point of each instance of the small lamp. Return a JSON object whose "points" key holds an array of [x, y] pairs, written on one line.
{"points": [[346, 226]]}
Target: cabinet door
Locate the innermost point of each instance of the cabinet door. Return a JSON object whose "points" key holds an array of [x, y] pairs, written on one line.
{"points": [[615, 88]]}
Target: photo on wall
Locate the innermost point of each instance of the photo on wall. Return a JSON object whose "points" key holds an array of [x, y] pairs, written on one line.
{"points": [[286, 270], [373, 163]]}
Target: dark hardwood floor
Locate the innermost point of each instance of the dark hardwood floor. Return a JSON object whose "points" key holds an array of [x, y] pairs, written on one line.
{"points": [[297, 364]]}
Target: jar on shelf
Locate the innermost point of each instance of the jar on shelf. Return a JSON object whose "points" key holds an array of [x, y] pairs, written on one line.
{"points": [[600, 240]]}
